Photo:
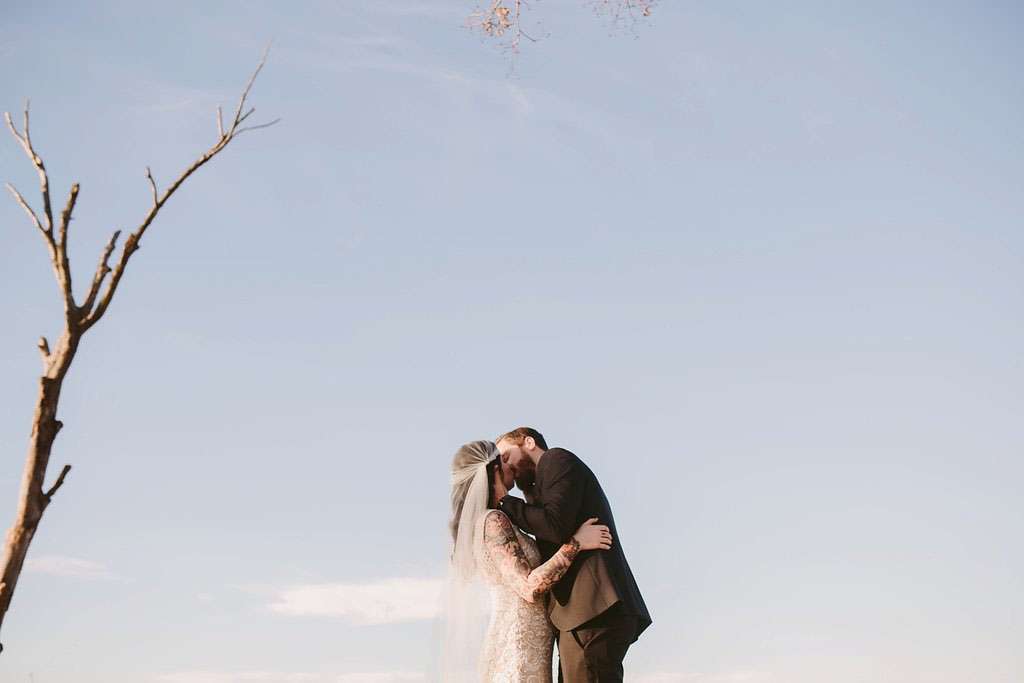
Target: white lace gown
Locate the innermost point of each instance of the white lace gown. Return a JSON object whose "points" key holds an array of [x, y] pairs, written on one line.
{"points": [[520, 638]]}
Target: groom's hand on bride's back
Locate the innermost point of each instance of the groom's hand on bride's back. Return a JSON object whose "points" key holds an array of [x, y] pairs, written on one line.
{"points": [[593, 536], [529, 492]]}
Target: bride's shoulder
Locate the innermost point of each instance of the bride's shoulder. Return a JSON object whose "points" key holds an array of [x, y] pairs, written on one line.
{"points": [[494, 516], [497, 525]]}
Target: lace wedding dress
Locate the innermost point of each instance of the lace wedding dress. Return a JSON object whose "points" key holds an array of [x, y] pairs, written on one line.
{"points": [[520, 639]]}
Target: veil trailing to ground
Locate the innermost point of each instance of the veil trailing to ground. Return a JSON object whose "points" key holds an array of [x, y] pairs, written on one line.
{"points": [[466, 600]]}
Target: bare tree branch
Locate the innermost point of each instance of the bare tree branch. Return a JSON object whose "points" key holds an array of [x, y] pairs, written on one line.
{"points": [[57, 247], [499, 21], [65, 215], [51, 247], [623, 15], [57, 484], [102, 269], [28, 209], [247, 114], [152, 184], [131, 244], [248, 88], [32, 500], [64, 265], [44, 180], [44, 351], [256, 127], [503, 19]]}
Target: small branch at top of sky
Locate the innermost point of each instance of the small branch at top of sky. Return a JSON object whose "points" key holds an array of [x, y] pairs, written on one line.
{"points": [[622, 15], [502, 20]]}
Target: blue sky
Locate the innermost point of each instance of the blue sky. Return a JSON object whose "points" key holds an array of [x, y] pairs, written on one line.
{"points": [[760, 266]]}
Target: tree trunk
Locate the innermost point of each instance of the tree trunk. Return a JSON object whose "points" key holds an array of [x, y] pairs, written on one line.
{"points": [[33, 500]]}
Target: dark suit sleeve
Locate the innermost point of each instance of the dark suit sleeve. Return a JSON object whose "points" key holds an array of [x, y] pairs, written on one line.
{"points": [[552, 519]]}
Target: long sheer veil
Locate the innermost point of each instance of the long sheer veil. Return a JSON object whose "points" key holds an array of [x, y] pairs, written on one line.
{"points": [[466, 609]]}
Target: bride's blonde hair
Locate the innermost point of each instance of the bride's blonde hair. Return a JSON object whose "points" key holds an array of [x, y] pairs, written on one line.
{"points": [[466, 599], [464, 465]]}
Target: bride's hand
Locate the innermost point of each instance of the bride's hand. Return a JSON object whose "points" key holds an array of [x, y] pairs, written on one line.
{"points": [[593, 536]]}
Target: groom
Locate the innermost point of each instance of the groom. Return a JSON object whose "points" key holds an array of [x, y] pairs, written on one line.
{"points": [[596, 607]]}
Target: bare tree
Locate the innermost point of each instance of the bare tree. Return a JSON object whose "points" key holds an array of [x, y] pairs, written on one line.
{"points": [[79, 319], [503, 20], [622, 14]]}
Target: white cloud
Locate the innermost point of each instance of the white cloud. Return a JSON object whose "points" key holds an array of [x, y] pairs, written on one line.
{"points": [[282, 677], [385, 677], [58, 565], [744, 676], [381, 602], [239, 677]]}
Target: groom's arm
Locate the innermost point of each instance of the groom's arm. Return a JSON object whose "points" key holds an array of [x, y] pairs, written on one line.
{"points": [[530, 493], [553, 519]]}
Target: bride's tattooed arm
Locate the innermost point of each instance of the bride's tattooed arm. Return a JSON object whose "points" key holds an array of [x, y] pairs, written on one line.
{"points": [[530, 584]]}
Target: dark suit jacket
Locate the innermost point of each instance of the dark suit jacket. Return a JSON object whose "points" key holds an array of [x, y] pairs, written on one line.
{"points": [[568, 494]]}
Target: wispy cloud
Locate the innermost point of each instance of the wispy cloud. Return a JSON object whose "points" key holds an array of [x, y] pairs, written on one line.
{"points": [[497, 100], [165, 97], [420, 9], [58, 565], [743, 676], [239, 676], [381, 602], [283, 677], [385, 677]]}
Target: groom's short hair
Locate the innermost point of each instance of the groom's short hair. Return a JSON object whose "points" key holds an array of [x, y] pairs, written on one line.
{"points": [[519, 434]]}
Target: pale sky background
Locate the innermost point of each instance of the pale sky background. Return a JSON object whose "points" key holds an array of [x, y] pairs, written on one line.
{"points": [[760, 265]]}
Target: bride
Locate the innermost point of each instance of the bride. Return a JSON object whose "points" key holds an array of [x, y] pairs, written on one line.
{"points": [[490, 552]]}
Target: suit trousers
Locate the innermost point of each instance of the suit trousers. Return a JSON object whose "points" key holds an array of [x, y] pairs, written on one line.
{"points": [[593, 652]]}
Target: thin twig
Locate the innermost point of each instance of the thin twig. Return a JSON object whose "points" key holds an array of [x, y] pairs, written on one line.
{"points": [[44, 351], [64, 265], [44, 179], [58, 483], [256, 127], [65, 215], [246, 115], [102, 269], [152, 184], [57, 247], [248, 87], [28, 209]]}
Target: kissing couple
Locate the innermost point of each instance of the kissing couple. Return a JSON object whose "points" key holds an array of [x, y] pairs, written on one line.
{"points": [[528, 571]]}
